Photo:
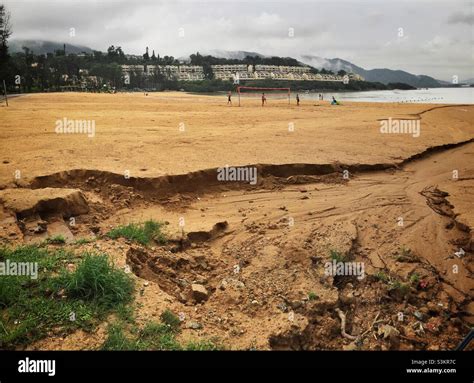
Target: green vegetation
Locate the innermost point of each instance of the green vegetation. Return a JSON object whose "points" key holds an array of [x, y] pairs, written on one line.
{"points": [[96, 280], [395, 286], [414, 279], [405, 255], [204, 345], [381, 276], [116, 339], [58, 301], [399, 288], [56, 240], [171, 320], [153, 336], [83, 241], [142, 233], [337, 256], [399, 86], [312, 296]]}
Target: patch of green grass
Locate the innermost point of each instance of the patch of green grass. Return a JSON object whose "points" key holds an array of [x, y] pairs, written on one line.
{"points": [[57, 301], [56, 240], [158, 336], [83, 241], [153, 336], [125, 312], [414, 279], [171, 320], [337, 255], [96, 279], [117, 340], [142, 233], [312, 296], [203, 345], [402, 289], [12, 287], [381, 276]]}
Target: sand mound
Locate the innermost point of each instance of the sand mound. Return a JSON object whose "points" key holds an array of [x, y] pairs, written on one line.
{"points": [[26, 202]]}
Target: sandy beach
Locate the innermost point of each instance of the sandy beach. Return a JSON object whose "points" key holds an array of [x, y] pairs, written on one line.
{"points": [[144, 134]]}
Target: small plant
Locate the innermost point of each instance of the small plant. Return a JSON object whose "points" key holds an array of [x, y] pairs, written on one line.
{"points": [[399, 288], [415, 279], [125, 312], [337, 255], [142, 233], [153, 336], [312, 296], [56, 240], [405, 255], [204, 345], [157, 336], [117, 340], [171, 320], [381, 276], [83, 241]]}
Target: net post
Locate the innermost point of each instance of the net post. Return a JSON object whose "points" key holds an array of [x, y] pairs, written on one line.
{"points": [[238, 91]]}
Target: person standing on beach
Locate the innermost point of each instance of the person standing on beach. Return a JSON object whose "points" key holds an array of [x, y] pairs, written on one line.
{"points": [[297, 99], [229, 98], [264, 99]]}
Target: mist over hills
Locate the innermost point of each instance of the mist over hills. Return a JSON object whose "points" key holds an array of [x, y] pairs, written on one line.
{"points": [[382, 75], [43, 47]]}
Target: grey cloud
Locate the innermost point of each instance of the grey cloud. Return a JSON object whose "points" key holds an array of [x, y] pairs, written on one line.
{"points": [[461, 18]]}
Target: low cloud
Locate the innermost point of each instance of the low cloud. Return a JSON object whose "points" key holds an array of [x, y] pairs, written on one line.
{"points": [[461, 18]]}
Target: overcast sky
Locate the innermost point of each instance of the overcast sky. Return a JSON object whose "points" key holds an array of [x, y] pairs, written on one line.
{"points": [[436, 38]]}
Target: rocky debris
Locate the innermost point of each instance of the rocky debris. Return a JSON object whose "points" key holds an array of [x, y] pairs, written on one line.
{"points": [[419, 315], [391, 334], [193, 325], [436, 200], [292, 334], [283, 307], [199, 292], [350, 347], [41, 227]]}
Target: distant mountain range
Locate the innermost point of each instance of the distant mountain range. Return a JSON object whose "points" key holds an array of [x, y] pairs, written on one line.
{"points": [[42, 47], [382, 75]]}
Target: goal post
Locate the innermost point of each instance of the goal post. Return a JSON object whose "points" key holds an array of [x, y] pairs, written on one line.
{"points": [[280, 93]]}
